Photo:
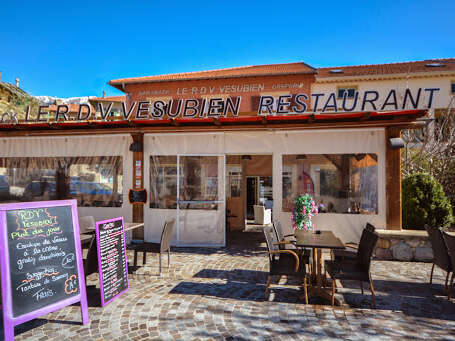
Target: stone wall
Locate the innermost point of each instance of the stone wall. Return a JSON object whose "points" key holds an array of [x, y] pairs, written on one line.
{"points": [[405, 245]]}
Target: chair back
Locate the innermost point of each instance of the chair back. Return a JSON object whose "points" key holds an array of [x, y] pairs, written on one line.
{"points": [[440, 254], [166, 235], [259, 212], [450, 243], [367, 243], [370, 227], [271, 240], [278, 230], [86, 224]]}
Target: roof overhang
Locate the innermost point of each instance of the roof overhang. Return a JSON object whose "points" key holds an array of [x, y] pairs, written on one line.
{"points": [[402, 119]]}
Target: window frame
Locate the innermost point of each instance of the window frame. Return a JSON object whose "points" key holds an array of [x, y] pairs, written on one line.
{"points": [[349, 87]]}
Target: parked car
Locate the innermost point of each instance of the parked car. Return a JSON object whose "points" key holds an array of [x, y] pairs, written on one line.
{"points": [[38, 188], [89, 188], [4, 186]]}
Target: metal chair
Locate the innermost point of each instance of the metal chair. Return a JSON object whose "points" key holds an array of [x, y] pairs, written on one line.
{"points": [[359, 269], [283, 262], [163, 246], [441, 256], [351, 254], [450, 243]]}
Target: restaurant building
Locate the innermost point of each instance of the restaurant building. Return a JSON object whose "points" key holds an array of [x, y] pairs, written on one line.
{"points": [[208, 146]]}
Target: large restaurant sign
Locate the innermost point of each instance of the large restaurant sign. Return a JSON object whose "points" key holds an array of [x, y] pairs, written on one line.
{"points": [[299, 103]]}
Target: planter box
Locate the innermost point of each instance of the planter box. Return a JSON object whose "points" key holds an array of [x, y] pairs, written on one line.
{"points": [[404, 245]]}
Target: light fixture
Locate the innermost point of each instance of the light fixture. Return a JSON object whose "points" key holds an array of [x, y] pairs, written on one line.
{"points": [[246, 157], [300, 157], [396, 143]]}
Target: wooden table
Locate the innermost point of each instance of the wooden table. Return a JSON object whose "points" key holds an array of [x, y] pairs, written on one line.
{"points": [[324, 240], [91, 261], [85, 237]]}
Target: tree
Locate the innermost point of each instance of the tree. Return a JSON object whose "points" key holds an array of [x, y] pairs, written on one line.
{"points": [[424, 202], [432, 150]]}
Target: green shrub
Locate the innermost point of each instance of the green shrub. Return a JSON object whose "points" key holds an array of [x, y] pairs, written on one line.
{"points": [[424, 202]]}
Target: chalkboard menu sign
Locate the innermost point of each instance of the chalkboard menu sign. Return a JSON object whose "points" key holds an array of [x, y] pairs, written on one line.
{"points": [[112, 261], [41, 261]]}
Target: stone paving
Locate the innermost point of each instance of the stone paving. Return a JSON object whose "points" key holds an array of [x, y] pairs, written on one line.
{"points": [[216, 294]]}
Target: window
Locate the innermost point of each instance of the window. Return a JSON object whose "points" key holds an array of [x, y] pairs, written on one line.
{"points": [[452, 88], [198, 182], [163, 182], [218, 106], [233, 181], [275, 96], [94, 181], [350, 92], [265, 190], [339, 183]]}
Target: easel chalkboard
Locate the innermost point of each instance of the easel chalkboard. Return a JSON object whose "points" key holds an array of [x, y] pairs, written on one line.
{"points": [[112, 261], [40, 261]]}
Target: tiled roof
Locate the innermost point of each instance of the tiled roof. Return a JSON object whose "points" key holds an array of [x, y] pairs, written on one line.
{"points": [[244, 71], [109, 99], [430, 65]]}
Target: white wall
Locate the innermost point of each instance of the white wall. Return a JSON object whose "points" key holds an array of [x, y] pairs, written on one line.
{"points": [[441, 98]]}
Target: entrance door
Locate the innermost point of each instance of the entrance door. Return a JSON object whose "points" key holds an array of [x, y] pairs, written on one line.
{"points": [[252, 193], [201, 203]]}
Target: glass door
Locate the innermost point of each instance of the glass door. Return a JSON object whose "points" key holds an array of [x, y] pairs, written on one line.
{"points": [[201, 201]]}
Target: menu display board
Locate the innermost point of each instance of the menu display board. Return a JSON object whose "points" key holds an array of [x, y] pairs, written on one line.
{"points": [[112, 261], [41, 261]]}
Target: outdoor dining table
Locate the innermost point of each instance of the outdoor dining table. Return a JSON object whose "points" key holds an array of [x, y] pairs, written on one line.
{"points": [[132, 226], [317, 242], [91, 261]]}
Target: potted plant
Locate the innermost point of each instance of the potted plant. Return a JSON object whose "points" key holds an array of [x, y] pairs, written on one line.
{"points": [[304, 209]]}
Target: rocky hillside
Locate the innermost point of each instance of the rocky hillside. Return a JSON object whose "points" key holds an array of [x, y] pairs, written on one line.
{"points": [[15, 100]]}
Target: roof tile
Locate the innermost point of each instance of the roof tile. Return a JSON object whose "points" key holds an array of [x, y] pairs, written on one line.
{"points": [[109, 99], [255, 70], [387, 69]]}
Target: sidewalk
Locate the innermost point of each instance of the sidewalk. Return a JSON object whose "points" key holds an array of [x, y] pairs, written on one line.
{"points": [[219, 294]]}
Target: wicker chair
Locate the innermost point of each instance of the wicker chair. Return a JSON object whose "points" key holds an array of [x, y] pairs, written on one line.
{"points": [[163, 246], [283, 262], [351, 254], [286, 242], [441, 256], [450, 243], [358, 269]]}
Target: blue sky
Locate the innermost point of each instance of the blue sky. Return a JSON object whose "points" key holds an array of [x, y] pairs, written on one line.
{"points": [[73, 48]]}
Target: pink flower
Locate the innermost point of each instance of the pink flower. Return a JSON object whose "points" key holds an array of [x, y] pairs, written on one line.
{"points": [[309, 215], [313, 203], [315, 210], [303, 210]]}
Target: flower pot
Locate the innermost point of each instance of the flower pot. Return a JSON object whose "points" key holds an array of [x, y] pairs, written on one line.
{"points": [[299, 233]]}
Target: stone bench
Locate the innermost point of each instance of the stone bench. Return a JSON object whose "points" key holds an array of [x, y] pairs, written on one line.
{"points": [[404, 245]]}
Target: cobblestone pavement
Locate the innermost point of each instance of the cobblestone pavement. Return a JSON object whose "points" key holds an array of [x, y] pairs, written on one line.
{"points": [[219, 294]]}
